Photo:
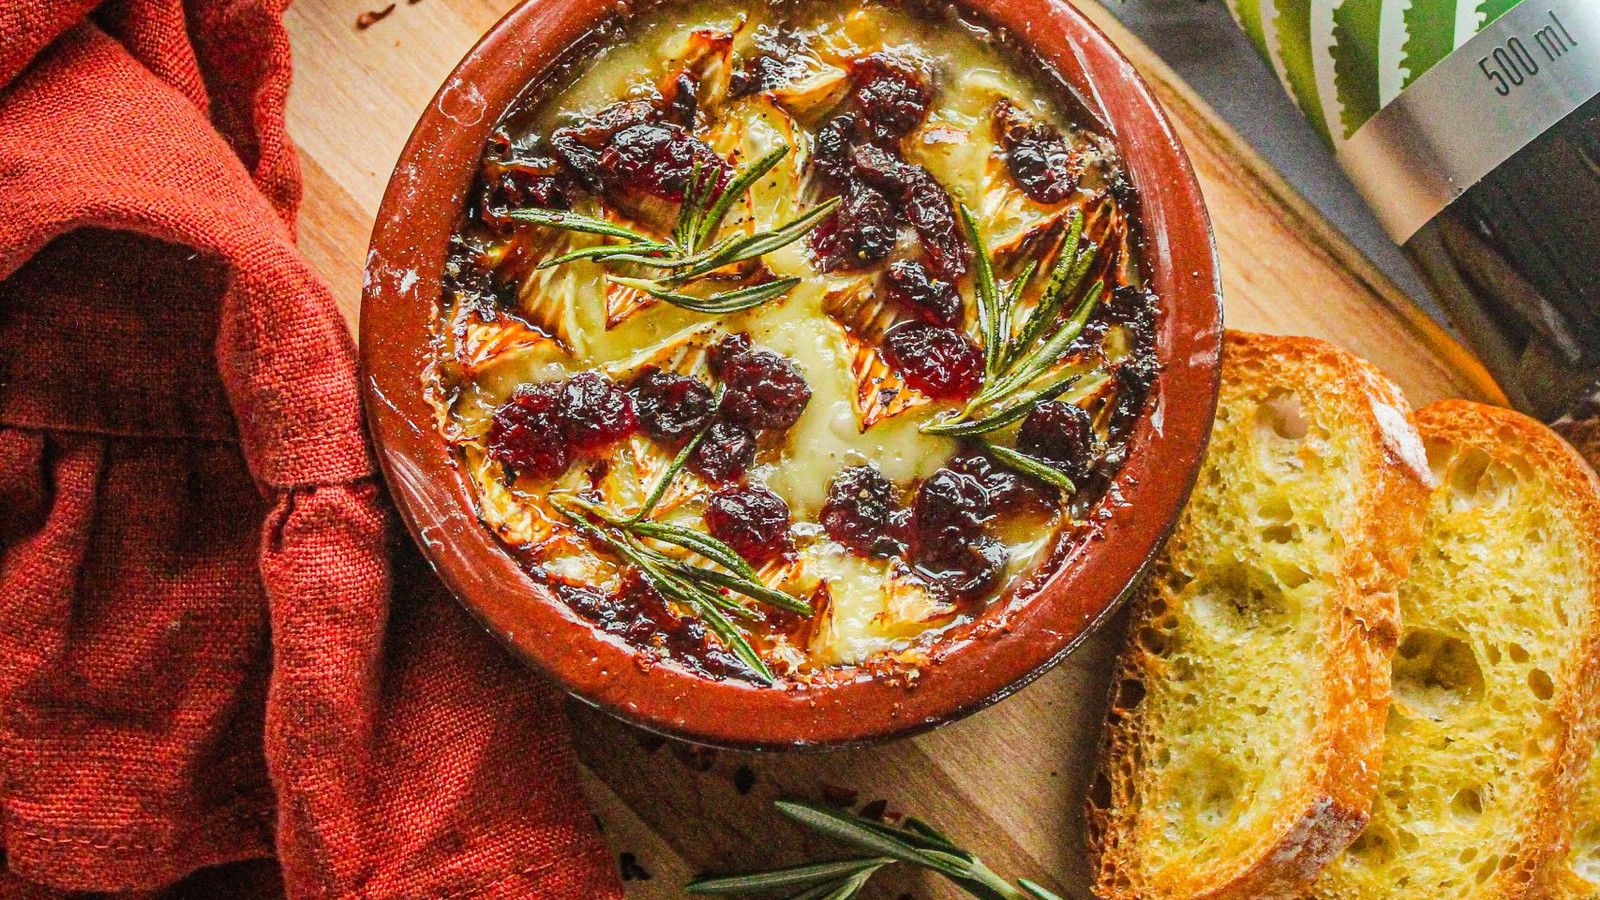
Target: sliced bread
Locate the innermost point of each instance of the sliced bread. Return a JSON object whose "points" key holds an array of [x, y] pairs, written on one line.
{"points": [[1246, 722], [1493, 719]]}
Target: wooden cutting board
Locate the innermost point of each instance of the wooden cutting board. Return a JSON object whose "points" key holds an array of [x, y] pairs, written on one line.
{"points": [[1008, 782]]}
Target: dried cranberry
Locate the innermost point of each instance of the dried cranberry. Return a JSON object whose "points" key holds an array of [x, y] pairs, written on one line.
{"points": [[924, 202], [831, 149], [859, 512], [950, 509], [967, 570], [941, 362], [893, 96], [1061, 434], [764, 390], [751, 519], [933, 214], [860, 233], [1040, 160], [658, 159], [729, 346], [724, 453], [672, 407], [527, 433], [1009, 490], [910, 284], [598, 411]]}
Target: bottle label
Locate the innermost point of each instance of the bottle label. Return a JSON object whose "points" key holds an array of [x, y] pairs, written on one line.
{"points": [[1420, 99]]}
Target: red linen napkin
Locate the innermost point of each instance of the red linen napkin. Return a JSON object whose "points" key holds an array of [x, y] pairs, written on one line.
{"points": [[200, 666]]}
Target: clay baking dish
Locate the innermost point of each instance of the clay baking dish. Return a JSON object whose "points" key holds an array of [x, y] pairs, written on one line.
{"points": [[1019, 639]]}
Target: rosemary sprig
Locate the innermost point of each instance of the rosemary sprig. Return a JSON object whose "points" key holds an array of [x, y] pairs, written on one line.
{"points": [[690, 253], [1017, 356], [915, 842], [697, 588]]}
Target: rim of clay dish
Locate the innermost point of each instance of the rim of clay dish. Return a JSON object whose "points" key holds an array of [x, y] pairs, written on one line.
{"points": [[1019, 639]]}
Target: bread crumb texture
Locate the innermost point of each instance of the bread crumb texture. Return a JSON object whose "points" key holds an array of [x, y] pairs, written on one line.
{"points": [[1491, 720]]}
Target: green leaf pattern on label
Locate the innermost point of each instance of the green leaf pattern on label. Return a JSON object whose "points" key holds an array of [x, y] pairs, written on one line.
{"points": [[1372, 44]]}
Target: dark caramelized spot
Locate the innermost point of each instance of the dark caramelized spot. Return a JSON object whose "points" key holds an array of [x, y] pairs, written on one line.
{"points": [[751, 519], [527, 434], [860, 511], [597, 411], [725, 453], [672, 408], [892, 95], [680, 103], [917, 290], [1041, 161], [763, 390], [941, 362]]}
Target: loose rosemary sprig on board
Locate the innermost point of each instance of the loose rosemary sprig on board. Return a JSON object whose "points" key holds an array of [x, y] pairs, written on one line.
{"points": [[1016, 357], [916, 843], [689, 253], [697, 588]]}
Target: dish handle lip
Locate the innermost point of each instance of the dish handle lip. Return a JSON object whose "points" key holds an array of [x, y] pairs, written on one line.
{"points": [[410, 240]]}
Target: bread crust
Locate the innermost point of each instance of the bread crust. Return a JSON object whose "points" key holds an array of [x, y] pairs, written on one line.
{"points": [[1331, 795]]}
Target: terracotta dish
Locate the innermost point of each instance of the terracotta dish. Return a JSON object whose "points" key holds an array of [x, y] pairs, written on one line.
{"points": [[794, 375]]}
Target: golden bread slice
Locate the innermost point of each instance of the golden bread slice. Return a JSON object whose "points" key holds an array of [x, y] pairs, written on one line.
{"points": [[1246, 722], [1493, 719]]}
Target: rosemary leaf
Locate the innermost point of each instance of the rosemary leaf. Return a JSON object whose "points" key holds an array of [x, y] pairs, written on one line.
{"points": [[630, 253], [730, 635], [668, 476], [698, 541], [571, 221], [990, 318], [797, 876], [1039, 360], [1038, 890], [759, 244], [689, 208], [715, 304], [1005, 415], [853, 829], [755, 590], [708, 223], [1029, 465], [848, 888], [1072, 265]]}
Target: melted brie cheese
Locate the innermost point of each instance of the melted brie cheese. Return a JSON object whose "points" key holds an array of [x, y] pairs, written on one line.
{"points": [[874, 607]]}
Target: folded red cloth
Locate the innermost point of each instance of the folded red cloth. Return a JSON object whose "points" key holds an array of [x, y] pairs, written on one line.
{"points": [[204, 688]]}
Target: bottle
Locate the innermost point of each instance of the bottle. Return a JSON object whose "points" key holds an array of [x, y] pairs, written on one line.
{"points": [[1472, 128]]}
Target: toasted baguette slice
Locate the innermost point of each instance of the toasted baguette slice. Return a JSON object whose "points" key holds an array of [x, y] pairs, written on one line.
{"points": [[1493, 716], [1247, 716]]}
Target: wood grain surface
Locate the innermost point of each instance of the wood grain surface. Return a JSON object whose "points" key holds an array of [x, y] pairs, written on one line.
{"points": [[1008, 782]]}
